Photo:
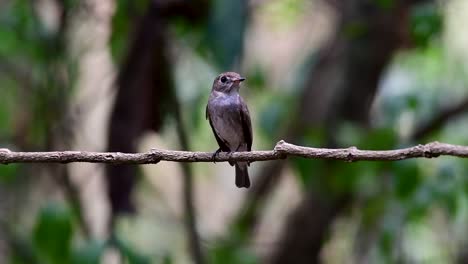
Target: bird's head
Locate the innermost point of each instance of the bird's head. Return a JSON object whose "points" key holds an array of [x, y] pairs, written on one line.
{"points": [[227, 82]]}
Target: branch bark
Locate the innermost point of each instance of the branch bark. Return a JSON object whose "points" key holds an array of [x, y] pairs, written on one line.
{"points": [[282, 150]]}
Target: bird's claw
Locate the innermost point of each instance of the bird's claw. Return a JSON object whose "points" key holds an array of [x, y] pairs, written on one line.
{"points": [[215, 154]]}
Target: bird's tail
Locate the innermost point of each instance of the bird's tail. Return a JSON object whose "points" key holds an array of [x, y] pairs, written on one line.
{"points": [[242, 175]]}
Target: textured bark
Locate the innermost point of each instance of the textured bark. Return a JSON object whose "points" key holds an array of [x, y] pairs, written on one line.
{"points": [[282, 150]]}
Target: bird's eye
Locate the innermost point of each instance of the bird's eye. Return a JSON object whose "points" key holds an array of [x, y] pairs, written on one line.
{"points": [[223, 79]]}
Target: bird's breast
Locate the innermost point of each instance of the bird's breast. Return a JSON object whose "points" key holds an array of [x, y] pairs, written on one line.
{"points": [[225, 117]]}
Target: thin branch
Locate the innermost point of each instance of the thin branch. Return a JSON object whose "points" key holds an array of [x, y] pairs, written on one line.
{"points": [[440, 119], [281, 151]]}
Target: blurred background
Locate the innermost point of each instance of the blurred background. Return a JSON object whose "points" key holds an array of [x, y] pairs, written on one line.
{"points": [[128, 76]]}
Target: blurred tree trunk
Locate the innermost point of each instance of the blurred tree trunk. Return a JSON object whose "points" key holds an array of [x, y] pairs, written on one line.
{"points": [[341, 87], [144, 91], [146, 94], [143, 83]]}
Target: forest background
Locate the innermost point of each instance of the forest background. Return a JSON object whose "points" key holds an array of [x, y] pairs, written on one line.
{"points": [[128, 76]]}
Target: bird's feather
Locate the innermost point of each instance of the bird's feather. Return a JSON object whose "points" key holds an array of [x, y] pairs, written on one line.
{"points": [[222, 144], [246, 123]]}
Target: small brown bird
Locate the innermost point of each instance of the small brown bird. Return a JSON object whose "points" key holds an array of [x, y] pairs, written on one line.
{"points": [[230, 120]]}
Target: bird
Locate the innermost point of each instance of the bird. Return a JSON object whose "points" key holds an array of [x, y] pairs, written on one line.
{"points": [[229, 119]]}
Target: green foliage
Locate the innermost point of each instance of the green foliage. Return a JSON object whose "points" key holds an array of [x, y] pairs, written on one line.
{"points": [[285, 14], [231, 251], [389, 195], [271, 118], [386, 242], [385, 4], [355, 30], [225, 34], [306, 169], [373, 209], [377, 139], [52, 234], [275, 114], [130, 254], [406, 177], [36, 65], [20, 30], [52, 242], [447, 185], [198, 117], [8, 172], [167, 260], [6, 107], [425, 23], [343, 177], [127, 14], [89, 254], [257, 79]]}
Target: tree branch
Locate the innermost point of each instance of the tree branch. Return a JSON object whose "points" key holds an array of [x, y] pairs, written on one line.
{"points": [[282, 150], [440, 119]]}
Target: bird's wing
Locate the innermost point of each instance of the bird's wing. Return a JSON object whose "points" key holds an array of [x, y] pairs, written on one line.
{"points": [[246, 123], [222, 144]]}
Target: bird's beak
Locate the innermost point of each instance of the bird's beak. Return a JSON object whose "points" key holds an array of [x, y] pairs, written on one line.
{"points": [[240, 79], [237, 81]]}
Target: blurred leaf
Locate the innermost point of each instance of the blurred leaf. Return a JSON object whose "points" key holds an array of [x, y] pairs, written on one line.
{"points": [[386, 243], [385, 4], [349, 134], [379, 139], [425, 23], [270, 118], [8, 172], [417, 211], [89, 254], [374, 209], [24, 32], [7, 106], [197, 114], [412, 101], [131, 255], [225, 36], [358, 177], [446, 187], [274, 115], [167, 259], [231, 252], [192, 33], [314, 137], [9, 43], [419, 205], [355, 30], [22, 251], [256, 79], [53, 233], [284, 14], [450, 202], [307, 169], [464, 171], [344, 175], [123, 22], [407, 178]]}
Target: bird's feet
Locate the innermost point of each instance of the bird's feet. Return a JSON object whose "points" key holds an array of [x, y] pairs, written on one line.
{"points": [[215, 154]]}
